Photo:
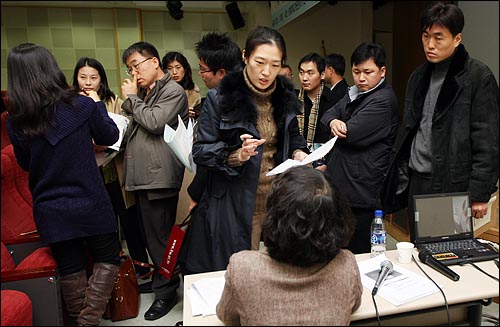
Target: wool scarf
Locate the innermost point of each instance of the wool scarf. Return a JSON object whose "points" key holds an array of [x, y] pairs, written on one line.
{"points": [[313, 115]]}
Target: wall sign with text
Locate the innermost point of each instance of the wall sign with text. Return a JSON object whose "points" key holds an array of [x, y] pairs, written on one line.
{"points": [[284, 12]]}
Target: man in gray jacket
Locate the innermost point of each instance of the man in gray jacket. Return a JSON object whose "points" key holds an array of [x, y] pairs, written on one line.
{"points": [[151, 169]]}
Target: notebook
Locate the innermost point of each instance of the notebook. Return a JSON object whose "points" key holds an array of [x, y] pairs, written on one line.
{"points": [[443, 225]]}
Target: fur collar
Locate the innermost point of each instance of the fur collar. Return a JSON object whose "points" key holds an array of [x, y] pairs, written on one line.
{"points": [[236, 102], [450, 84]]}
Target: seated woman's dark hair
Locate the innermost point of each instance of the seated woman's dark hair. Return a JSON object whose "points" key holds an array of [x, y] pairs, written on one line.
{"points": [[308, 220]]}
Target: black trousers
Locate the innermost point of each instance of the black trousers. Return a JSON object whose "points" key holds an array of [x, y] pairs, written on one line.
{"points": [[419, 184], [129, 223], [156, 219], [73, 255], [360, 241]]}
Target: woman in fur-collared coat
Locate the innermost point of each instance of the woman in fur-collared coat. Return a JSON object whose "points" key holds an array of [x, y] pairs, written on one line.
{"points": [[246, 128]]}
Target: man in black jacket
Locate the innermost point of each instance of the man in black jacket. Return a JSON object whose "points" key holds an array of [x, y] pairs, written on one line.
{"points": [[365, 121], [448, 141], [218, 56], [316, 99], [334, 76]]}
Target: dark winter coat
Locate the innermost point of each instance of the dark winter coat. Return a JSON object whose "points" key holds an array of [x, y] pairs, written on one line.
{"points": [[222, 224], [464, 132], [69, 196], [339, 91], [357, 163]]}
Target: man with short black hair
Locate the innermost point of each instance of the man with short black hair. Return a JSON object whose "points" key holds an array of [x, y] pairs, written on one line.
{"points": [[365, 121], [334, 76], [218, 55], [151, 170], [316, 100], [448, 141]]}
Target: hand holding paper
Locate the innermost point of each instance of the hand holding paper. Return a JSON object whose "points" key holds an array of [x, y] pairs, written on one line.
{"points": [[321, 152]]}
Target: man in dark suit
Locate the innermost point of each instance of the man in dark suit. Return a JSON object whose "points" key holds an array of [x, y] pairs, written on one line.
{"points": [[334, 76]]}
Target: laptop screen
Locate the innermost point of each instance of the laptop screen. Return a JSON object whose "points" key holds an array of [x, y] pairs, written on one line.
{"points": [[442, 216]]}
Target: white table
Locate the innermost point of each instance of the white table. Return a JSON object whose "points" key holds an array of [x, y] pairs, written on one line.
{"points": [[465, 298]]}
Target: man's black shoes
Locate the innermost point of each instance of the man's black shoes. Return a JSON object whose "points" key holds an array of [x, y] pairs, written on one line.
{"points": [[159, 308]]}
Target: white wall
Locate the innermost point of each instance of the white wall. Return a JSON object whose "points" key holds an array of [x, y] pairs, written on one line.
{"points": [[480, 34]]}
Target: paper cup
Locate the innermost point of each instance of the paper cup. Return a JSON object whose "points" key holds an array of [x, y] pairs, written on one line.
{"points": [[405, 250]]}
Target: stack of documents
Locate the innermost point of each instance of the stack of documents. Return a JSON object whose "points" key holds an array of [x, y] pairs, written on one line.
{"points": [[204, 294], [180, 142], [400, 287]]}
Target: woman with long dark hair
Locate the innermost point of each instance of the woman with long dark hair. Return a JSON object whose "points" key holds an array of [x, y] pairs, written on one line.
{"points": [[52, 130], [180, 69], [89, 75]]}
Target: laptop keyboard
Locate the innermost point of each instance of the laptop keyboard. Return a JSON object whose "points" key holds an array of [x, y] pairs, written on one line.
{"points": [[451, 246]]}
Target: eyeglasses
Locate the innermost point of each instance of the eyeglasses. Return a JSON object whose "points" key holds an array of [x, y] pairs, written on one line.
{"points": [[136, 67], [202, 71]]}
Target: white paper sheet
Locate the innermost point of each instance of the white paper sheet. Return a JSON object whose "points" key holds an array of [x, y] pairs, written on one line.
{"points": [[122, 124], [401, 287], [180, 142], [204, 295], [313, 156]]}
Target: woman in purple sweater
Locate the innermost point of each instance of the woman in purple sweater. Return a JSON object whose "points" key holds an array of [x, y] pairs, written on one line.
{"points": [[52, 131]]}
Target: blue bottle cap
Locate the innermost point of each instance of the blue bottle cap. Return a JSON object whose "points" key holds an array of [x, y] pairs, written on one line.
{"points": [[379, 213]]}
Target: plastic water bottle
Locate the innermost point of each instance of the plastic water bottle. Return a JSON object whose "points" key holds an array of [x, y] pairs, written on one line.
{"points": [[378, 234]]}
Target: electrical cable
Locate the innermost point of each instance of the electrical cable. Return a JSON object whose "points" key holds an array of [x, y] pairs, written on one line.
{"points": [[376, 310], [478, 268], [491, 319], [444, 296], [491, 244]]}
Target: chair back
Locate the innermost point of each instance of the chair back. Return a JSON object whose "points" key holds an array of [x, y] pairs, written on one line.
{"points": [[21, 176], [5, 139], [7, 260], [16, 212]]}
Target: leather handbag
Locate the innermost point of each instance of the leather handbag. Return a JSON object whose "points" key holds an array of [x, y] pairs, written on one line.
{"points": [[125, 297]]}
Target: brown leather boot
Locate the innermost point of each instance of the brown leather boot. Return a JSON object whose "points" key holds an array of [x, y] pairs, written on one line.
{"points": [[98, 292], [73, 292]]}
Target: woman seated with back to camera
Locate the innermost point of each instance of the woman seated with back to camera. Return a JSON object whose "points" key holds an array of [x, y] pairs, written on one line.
{"points": [[302, 276]]}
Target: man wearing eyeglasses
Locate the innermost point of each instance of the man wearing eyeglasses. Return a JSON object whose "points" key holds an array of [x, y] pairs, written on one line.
{"points": [[217, 55], [151, 170]]}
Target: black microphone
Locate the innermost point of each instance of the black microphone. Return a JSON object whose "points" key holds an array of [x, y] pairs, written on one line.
{"points": [[426, 257], [385, 270]]}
